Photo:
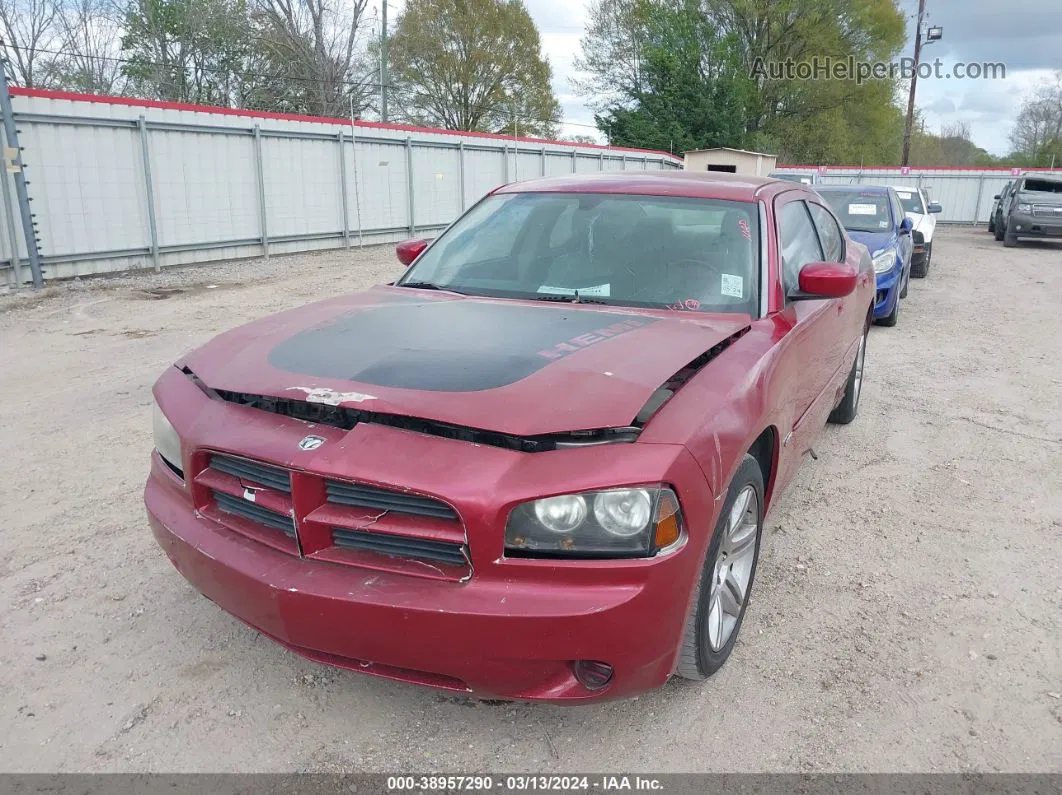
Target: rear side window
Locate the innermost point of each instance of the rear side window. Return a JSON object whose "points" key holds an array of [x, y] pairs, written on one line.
{"points": [[829, 233], [798, 240], [1043, 185]]}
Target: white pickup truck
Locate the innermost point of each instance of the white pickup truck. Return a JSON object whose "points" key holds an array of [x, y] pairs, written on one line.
{"points": [[922, 212]]}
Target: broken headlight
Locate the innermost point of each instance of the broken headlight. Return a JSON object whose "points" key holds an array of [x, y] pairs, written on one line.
{"points": [[634, 522], [167, 442]]}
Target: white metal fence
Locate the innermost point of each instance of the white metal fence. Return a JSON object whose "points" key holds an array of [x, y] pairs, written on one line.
{"points": [[965, 194], [124, 184]]}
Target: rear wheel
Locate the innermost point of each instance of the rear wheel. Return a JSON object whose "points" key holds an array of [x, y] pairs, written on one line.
{"points": [[992, 224], [849, 405], [1000, 229], [722, 592]]}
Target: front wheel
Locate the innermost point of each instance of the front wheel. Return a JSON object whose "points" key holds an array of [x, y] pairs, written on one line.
{"points": [[892, 317], [722, 592], [849, 405]]}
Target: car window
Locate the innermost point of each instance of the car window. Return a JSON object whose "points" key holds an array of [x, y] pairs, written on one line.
{"points": [[861, 210], [897, 209], [629, 250], [829, 233], [798, 241], [911, 201]]}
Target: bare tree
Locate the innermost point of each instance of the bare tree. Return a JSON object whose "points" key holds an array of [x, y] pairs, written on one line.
{"points": [[91, 35], [317, 50], [1038, 126], [30, 38], [611, 53]]}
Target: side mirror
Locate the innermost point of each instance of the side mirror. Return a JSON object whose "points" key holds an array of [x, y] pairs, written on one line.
{"points": [[935, 207], [409, 250], [906, 225], [826, 280], [996, 197]]}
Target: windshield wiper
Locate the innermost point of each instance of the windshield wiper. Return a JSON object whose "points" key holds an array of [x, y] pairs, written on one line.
{"points": [[422, 285], [570, 299]]}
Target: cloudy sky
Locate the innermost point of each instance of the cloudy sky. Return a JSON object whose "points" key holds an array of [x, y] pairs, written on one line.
{"points": [[1026, 35]]}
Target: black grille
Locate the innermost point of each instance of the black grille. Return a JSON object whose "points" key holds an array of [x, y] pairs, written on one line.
{"points": [[255, 513], [400, 546], [361, 496], [263, 474]]}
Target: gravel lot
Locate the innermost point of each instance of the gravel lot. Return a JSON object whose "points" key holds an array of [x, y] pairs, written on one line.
{"points": [[907, 615]]}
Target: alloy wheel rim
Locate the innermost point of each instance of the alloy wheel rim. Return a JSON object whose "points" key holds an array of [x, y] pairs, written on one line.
{"points": [[732, 573]]}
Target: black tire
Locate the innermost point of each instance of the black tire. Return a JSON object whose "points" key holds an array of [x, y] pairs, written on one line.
{"points": [[906, 284], [890, 320], [697, 659], [848, 407], [992, 224], [1010, 240], [999, 230], [921, 269]]}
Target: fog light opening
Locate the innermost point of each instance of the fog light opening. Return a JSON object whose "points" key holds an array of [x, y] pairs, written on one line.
{"points": [[592, 675]]}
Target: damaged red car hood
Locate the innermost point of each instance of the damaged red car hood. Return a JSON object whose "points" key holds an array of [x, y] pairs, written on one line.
{"points": [[514, 367]]}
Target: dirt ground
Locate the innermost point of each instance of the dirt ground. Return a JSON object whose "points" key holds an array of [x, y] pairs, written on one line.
{"points": [[907, 614]]}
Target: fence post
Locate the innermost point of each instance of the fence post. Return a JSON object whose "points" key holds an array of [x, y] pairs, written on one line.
{"points": [[601, 161], [574, 155], [343, 186], [543, 161], [145, 153], [261, 188], [623, 161], [505, 159], [645, 163], [12, 235], [409, 184], [461, 170], [977, 204], [11, 136]]}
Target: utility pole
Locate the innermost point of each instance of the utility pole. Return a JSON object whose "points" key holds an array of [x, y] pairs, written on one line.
{"points": [[383, 63], [14, 163], [914, 84]]}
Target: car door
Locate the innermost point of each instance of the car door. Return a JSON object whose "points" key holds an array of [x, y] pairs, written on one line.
{"points": [[928, 222], [814, 344], [904, 243]]}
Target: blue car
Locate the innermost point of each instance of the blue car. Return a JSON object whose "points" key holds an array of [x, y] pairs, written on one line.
{"points": [[875, 217]]}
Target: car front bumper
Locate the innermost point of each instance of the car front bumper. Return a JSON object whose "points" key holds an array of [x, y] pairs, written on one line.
{"points": [[1035, 226], [888, 292], [512, 629]]}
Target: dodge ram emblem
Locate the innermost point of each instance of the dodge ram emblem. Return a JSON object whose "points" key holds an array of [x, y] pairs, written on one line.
{"points": [[311, 442]]}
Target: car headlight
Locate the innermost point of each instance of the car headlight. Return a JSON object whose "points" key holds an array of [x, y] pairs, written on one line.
{"points": [[1025, 208], [612, 523], [167, 442], [884, 260]]}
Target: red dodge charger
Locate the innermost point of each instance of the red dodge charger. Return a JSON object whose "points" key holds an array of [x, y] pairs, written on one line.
{"points": [[537, 465]]}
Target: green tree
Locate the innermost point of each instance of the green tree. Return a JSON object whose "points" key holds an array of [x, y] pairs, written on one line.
{"points": [[186, 50], [692, 91], [472, 65]]}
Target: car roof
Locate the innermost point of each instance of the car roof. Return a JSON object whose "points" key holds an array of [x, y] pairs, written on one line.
{"points": [[860, 188], [691, 184]]}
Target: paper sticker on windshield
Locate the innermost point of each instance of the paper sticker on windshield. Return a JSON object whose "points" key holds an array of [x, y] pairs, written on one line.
{"points": [[883, 224], [862, 209], [601, 290], [904, 195], [734, 286]]}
